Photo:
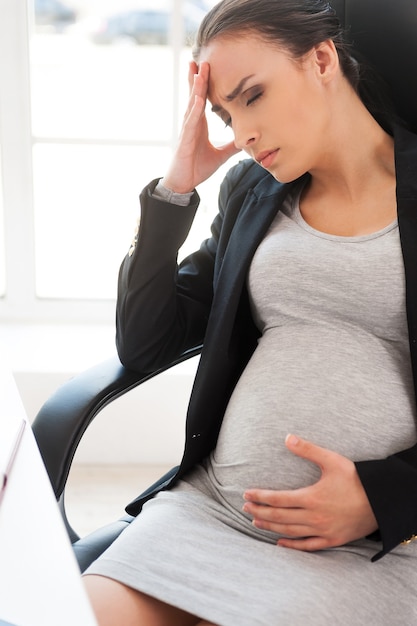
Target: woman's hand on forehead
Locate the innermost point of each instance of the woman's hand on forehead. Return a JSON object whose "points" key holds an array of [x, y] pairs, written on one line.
{"points": [[196, 158]]}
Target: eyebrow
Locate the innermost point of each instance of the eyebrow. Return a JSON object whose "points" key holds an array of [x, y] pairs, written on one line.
{"points": [[233, 94]]}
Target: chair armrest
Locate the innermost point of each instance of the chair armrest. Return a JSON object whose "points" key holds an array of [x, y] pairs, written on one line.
{"points": [[65, 416]]}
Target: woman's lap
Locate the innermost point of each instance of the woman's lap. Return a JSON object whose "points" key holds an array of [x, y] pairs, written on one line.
{"points": [[182, 552]]}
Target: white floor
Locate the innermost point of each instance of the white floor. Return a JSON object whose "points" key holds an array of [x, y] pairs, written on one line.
{"points": [[97, 494]]}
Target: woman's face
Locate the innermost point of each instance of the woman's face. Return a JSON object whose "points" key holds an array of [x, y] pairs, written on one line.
{"points": [[276, 106]]}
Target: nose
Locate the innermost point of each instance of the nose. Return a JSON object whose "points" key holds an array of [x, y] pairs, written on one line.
{"points": [[245, 137]]}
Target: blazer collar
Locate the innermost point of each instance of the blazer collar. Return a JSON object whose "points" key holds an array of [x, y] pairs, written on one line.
{"points": [[259, 208]]}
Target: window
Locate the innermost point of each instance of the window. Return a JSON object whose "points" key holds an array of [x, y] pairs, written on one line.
{"points": [[2, 250], [95, 98]]}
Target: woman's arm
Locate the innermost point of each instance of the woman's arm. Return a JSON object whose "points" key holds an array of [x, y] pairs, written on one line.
{"points": [[162, 309]]}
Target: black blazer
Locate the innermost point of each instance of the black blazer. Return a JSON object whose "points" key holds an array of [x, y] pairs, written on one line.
{"points": [[163, 310]]}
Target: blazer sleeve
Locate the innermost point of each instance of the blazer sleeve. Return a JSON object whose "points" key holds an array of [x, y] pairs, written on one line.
{"points": [[391, 487], [162, 308]]}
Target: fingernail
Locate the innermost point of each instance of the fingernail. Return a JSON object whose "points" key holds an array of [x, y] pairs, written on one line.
{"points": [[291, 439]]}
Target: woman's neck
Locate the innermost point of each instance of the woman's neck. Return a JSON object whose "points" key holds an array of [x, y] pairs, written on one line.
{"points": [[352, 190]]}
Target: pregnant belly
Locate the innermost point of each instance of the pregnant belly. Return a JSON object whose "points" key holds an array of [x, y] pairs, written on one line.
{"points": [[355, 401]]}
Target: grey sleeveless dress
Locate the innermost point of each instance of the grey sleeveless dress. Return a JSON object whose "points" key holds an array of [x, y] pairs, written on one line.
{"points": [[333, 366]]}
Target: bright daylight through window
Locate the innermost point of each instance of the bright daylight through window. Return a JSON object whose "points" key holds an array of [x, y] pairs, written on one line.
{"points": [[108, 83], [92, 97]]}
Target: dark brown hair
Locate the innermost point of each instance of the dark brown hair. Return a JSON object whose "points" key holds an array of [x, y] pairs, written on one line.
{"points": [[297, 25]]}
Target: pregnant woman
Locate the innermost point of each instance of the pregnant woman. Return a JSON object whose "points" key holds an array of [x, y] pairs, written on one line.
{"points": [[297, 489]]}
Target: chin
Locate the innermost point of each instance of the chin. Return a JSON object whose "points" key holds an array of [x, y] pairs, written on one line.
{"points": [[284, 176]]}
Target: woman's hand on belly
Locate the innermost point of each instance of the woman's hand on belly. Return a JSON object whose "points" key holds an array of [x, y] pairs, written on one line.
{"points": [[333, 511]]}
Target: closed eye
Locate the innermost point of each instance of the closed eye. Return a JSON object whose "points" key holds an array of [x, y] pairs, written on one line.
{"points": [[251, 100], [227, 119], [254, 98]]}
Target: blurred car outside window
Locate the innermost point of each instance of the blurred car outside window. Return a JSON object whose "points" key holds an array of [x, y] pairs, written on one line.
{"points": [[146, 26], [53, 14]]}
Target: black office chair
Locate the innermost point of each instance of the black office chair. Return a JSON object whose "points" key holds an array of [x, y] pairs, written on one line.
{"points": [[61, 423], [382, 31]]}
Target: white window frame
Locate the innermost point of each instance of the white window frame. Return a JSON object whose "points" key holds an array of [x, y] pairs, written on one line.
{"points": [[20, 303]]}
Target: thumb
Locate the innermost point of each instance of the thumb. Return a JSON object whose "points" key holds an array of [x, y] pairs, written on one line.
{"points": [[307, 450]]}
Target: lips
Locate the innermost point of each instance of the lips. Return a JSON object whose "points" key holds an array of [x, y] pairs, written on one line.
{"points": [[265, 158]]}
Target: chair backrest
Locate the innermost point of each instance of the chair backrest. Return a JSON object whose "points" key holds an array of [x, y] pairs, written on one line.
{"points": [[385, 33]]}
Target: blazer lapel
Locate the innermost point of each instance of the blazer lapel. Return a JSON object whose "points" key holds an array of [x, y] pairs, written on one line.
{"points": [[258, 211], [221, 356], [406, 171]]}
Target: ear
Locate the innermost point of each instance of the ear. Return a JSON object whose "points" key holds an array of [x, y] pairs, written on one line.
{"points": [[325, 60]]}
